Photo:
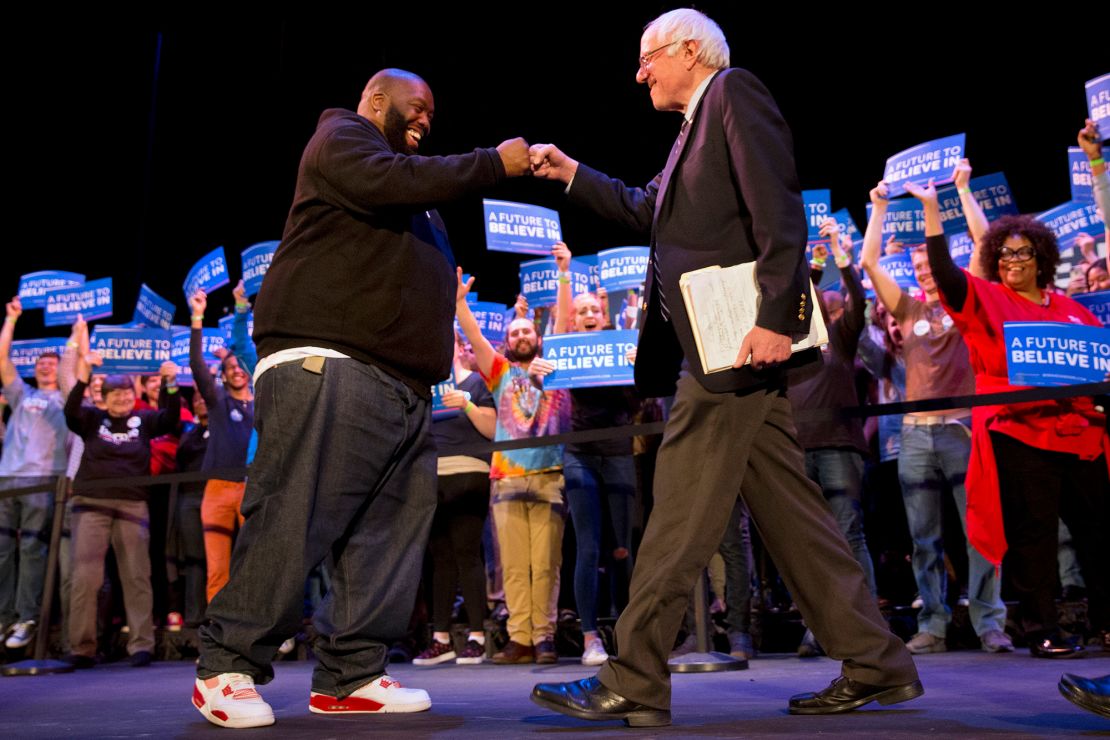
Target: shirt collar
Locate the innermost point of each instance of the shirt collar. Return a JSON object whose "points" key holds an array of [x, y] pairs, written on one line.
{"points": [[692, 106]]}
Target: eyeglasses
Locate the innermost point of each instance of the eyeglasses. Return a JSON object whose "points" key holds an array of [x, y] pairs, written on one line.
{"points": [[645, 59], [1019, 255]]}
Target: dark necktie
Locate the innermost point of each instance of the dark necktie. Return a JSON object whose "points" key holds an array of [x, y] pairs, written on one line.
{"points": [[658, 276]]}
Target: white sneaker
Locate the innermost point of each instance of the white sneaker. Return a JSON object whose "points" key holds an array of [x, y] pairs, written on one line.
{"points": [[230, 700], [383, 695], [287, 646], [21, 634], [594, 654]]}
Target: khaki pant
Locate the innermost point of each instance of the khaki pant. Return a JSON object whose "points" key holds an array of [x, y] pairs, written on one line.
{"points": [[123, 524], [220, 514], [530, 537]]}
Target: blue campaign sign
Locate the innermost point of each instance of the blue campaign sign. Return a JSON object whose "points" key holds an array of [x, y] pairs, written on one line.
{"points": [[588, 359], [952, 217], [520, 227], [961, 246], [33, 285], [439, 411], [1079, 175], [209, 273], [900, 268], [153, 310], [93, 300], [622, 268], [131, 349], [1071, 218], [847, 225], [256, 261], [994, 195], [1056, 353], [211, 339], [539, 280], [25, 352], [933, 160], [590, 262], [491, 318], [904, 220], [1097, 303], [227, 321], [818, 207], [1098, 103]]}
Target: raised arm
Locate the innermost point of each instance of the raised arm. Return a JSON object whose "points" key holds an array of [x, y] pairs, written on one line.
{"points": [[14, 310], [951, 280], [564, 303], [76, 346], [886, 289], [483, 350], [169, 415], [205, 385], [1091, 143], [856, 304], [242, 346], [977, 223]]}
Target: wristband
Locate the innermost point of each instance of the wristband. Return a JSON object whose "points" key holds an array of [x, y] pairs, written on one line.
{"points": [[818, 263], [169, 387], [9, 319], [843, 261], [198, 318], [469, 405], [564, 278], [242, 307], [965, 190], [1097, 161], [71, 343]]}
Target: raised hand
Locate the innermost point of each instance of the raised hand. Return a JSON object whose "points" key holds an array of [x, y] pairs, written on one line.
{"points": [[515, 157], [550, 163]]}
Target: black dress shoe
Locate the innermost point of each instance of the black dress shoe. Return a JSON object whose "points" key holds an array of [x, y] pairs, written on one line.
{"points": [[1092, 694], [1056, 646], [844, 694], [588, 699]]}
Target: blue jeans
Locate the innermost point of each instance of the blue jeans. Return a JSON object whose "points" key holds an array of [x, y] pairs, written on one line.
{"points": [[934, 460], [839, 472], [344, 467], [29, 517], [587, 477]]}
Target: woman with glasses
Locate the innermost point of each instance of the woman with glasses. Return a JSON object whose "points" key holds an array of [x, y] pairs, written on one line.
{"points": [[1035, 461]]}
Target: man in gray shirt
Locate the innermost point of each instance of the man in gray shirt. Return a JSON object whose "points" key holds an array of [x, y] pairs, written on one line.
{"points": [[34, 453]]}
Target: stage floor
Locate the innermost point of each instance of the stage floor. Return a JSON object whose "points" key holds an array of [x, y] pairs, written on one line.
{"points": [[966, 694]]}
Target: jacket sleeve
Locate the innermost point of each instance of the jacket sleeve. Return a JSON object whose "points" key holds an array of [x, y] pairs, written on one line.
{"points": [[761, 157], [611, 199], [201, 377], [363, 172]]}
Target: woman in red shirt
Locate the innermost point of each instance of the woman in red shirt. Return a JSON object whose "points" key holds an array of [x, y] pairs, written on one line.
{"points": [[1031, 463]]}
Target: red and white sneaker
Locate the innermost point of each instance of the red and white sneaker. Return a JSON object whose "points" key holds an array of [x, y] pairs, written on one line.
{"points": [[230, 700], [383, 695]]}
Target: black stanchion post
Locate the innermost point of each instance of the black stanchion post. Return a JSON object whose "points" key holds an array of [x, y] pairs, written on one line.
{"points": [[704, 660], [39, 664]]}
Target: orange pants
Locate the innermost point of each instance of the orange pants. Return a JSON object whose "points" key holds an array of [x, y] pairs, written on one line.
{"points": [[220, 514]]}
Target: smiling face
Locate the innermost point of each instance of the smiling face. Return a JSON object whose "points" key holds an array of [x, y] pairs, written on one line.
{"points": [[923, 272], [670, 80], [408, 115], [46, 371], [587, 313], [1020, 275], [523, 343], [234, 377], [119, 402]]}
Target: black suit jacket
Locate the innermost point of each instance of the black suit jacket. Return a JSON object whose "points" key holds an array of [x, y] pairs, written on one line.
{"points": [[730, 195]]}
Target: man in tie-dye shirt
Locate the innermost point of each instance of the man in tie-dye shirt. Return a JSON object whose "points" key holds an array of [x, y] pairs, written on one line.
{"points": [[527, 494]]}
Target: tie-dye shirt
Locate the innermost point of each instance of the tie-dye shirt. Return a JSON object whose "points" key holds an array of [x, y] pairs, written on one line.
{"points": [[525, 411]]}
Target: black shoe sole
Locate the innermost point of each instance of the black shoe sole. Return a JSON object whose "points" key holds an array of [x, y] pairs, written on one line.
{"points": [[890, 696], [639, 718], [1081, 701]]}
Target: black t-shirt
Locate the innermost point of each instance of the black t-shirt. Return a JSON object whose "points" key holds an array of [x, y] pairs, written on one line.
{"points": [[454, 432], [117, 447], [598, 408]]}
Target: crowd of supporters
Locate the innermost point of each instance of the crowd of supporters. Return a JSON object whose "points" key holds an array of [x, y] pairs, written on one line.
{"points": [[927, 501]]}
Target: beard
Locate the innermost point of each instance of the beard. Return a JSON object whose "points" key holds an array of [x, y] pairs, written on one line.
{"points": [[525, 356], [395, 127]]}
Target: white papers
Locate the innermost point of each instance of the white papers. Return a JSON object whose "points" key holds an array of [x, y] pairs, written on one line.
{"points": [[723, 303]]}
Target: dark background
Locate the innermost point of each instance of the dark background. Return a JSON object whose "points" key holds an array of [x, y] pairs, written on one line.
{"points": [[133, 150]]}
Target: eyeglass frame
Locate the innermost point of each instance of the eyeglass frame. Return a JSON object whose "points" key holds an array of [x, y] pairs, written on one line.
{"points": [[646, 58], [1005, 254]]}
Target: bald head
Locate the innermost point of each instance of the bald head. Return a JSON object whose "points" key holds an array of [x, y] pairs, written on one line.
{"points": [[401, 105]]}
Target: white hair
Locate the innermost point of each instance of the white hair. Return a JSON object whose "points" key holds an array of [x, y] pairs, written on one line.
{"points": [[687, 24]]}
